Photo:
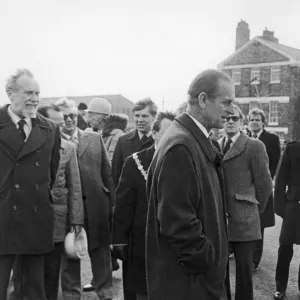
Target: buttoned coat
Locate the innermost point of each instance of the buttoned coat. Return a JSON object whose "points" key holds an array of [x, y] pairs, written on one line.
{"points": [[97, 186], [126, 146], [27, 173], [130, 215], [186, 240], [287, 193], [272, 144], [66, 192], [248, 185]]}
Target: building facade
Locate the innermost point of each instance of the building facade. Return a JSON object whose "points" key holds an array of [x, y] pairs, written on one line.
{"points": [[266, 74]]}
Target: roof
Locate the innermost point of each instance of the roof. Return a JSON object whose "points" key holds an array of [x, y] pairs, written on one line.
{"points": [[285, 50], [292, 54], [114, 99]]}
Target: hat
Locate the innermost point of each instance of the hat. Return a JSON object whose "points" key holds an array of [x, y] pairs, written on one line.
{"points": [[76, 245], [82, 106], [100, 106]]}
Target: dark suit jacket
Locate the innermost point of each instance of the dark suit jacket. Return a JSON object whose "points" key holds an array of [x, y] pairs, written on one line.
{"points": [[97, 187], [27, 172], [272, 145], [287, 192], [186, 240], [126, 146], [130, 215]]}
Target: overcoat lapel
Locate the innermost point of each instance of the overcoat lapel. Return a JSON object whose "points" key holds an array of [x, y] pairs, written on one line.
{"points": [[84, 141], [37, 137], [210, 151], [237, 147]]}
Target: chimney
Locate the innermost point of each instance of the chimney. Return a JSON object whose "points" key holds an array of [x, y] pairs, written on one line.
{"points": [[269, 36], [242, 34]]}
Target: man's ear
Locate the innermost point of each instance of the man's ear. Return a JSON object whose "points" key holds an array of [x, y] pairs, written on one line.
{"points": [[202, 100]]}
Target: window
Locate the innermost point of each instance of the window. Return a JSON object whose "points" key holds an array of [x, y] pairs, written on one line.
{"points": [[275, 75], [255, 75], [273, 113], [236, 76], [253, 104]]}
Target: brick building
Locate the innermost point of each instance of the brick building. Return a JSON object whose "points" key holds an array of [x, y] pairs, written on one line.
{"points": [[120, 104], [266, 74]]}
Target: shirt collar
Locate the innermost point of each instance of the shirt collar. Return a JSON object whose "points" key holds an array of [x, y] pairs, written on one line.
{"points": [[147, 135], [202, 128], [258, 134], [15, 118], [234, 138], [68, 137]]}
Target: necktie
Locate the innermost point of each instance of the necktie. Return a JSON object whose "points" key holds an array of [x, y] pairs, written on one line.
{"points": [[21, 124], [75, 142], [255, 136], [144, 139], [227, 146]]}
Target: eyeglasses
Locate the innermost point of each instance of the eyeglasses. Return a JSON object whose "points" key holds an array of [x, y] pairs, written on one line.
{"points": [[233, 118], [71, 116], [255, 120]]}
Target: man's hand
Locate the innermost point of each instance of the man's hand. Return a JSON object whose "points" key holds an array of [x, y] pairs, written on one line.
{"points": [[77, 229], [120, 251]]}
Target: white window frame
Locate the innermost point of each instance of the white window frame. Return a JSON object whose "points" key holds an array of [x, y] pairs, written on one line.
{"points": [[255, 72], [275, 74], [236, 76], [252, 104], [273, 113]]}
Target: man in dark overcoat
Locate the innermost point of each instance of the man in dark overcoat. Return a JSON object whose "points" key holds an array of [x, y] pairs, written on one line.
{"points": [[257, 119], [98, 193], [29, 155], [287, 206], [186, 238], [130, 213], [144, 112]]}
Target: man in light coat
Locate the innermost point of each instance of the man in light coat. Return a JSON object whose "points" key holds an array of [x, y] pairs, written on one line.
{"points": [[248, 184], [67, 203], [98, 199], [186, 239]]}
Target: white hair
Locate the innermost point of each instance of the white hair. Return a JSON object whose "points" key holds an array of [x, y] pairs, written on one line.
{"points": [[66, 103], [11, 81]]}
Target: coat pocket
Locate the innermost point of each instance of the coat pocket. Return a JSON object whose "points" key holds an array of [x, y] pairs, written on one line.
{"points": [[246, 198]]}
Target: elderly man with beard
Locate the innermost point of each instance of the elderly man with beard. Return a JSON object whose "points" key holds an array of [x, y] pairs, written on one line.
{"points": [[130, 213], [29, 155], [98, 193], [186, 237]]}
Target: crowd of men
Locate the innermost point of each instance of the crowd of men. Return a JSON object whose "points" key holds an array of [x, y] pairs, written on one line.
{"points": [[170, 201]]}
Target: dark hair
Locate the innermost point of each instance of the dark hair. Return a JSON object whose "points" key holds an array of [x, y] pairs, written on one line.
{"points": [[160, 116], [143, 103], [82, 106], [43, 110], [206, 82], [258, 112]]}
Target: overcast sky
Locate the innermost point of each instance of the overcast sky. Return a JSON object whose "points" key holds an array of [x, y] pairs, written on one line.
{"points": [[132, 47]]}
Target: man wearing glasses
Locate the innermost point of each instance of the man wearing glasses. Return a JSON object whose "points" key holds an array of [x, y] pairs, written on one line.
{"points": [[248, 183], [257, 119], [98, 195]]}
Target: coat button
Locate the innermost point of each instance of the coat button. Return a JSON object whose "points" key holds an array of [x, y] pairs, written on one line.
{"points": [[37, 163], [14, 208], [17, 186], [36, 186]]}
